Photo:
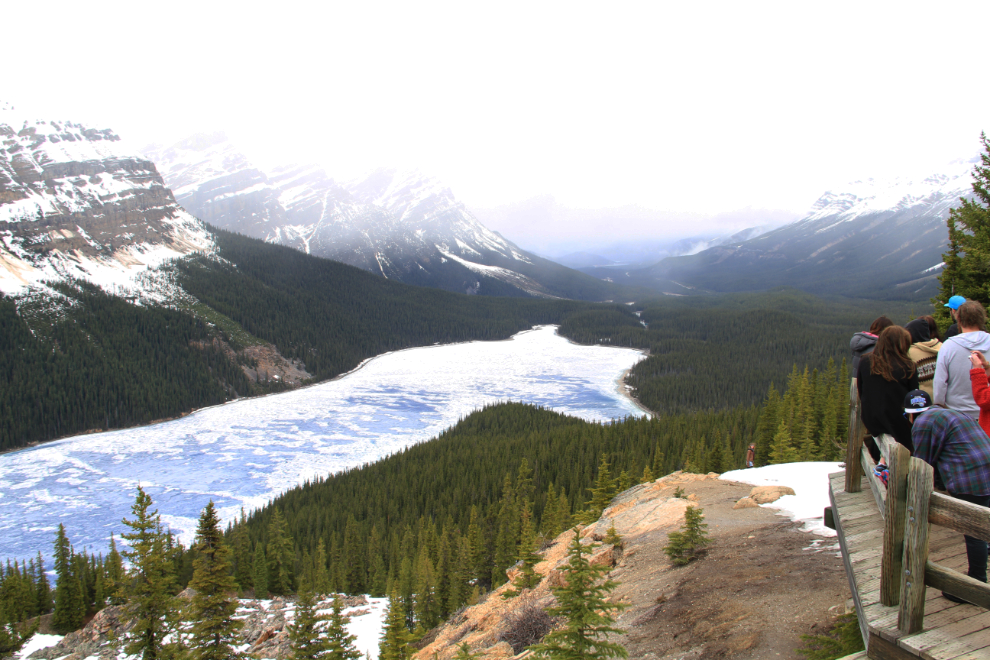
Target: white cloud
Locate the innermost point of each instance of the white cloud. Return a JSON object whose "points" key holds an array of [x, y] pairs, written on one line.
{"points": [[674, 107]]}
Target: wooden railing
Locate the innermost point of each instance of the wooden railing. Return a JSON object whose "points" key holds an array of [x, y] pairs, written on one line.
{"points": [[909, 506]]}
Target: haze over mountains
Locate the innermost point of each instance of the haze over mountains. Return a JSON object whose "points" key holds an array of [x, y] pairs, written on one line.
{"points": [[402, 225], [872, 239]]}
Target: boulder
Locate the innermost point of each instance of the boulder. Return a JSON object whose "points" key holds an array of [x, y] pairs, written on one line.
{"points": [[746, 503], [767, 494]]}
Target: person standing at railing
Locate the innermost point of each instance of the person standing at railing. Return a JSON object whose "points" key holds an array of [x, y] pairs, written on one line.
{"points": [[980, 378], [884, 377], [953, 386], [863, 343], [955, 445], [924, 351]]}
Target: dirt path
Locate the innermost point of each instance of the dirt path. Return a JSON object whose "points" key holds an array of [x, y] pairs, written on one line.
{"points": [[762, 585]]}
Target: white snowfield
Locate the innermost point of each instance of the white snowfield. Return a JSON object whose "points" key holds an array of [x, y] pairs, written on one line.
{"points": [[366, 628], [60, 168], [810, 484], [936, 194], [244, 453]]}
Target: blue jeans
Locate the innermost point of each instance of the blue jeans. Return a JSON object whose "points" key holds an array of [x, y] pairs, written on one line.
{"points": [[976, 549]]}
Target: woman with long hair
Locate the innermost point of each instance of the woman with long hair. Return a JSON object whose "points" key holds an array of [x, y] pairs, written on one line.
{"points": [[885, 376]]}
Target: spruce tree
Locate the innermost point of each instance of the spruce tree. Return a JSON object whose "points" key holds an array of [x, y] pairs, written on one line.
{"points": [[212, 607], [601, 494], [69, 608], [260, 581], [280, 556], [115, 575], [305, 631], [43, 590], [684, 545], [967, 264], [527, 578], [340, 645], [394, 644], [588, 613], [426, 607], [782, 451], [321, 576], [12, 640], [241, 546], [151, 580]]}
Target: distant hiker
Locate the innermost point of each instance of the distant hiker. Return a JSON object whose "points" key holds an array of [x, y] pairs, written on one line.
{"points": [[980, 377], [953, 387], [923, 352], [884, 377], [955, 302], [751, 455], [863, 343], [959, 450]]}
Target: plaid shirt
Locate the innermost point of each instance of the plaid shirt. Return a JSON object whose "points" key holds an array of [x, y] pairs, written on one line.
{"points": [[957, 447]]}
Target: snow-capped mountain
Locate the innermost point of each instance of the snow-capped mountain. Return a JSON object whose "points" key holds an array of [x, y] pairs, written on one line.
{"points": [[873, 237], [76, 203], [402, 225]]}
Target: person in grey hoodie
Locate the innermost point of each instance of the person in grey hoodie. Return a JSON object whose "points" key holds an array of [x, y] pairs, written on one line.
{"points": [[952, 386], [863, 343]]}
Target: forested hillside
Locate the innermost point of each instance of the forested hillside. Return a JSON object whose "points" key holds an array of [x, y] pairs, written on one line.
{"points": [[80, 359], [716, 352]]}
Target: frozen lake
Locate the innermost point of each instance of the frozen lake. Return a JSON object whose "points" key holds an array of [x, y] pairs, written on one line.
{"points": [[245, 452]]}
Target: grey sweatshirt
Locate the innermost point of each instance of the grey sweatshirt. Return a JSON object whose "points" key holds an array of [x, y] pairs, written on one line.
{"points": [[952, 386]]}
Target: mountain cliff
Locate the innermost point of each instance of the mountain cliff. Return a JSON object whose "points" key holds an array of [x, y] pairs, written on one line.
{"points": [[401, 225], [76, 203], [874, 238]]}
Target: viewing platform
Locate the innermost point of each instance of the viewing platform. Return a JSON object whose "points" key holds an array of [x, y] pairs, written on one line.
{"points": [[902, 545]]}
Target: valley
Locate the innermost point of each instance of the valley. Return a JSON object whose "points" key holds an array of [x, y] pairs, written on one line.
{"points": [[243, 454]]}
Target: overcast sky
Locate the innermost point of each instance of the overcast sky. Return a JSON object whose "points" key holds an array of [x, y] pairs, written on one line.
{"points": [[677, 108]]}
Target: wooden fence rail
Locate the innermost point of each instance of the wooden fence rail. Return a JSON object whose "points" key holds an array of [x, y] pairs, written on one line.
{"points": [[909, 506]]}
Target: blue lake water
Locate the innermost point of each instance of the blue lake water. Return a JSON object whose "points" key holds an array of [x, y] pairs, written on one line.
{"points": [[243, 453]]}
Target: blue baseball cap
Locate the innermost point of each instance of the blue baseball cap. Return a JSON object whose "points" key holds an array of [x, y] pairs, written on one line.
{"points": [[954, 302]]}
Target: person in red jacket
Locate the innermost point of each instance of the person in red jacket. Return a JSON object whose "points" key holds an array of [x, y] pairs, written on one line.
{"points": [[979, 375]]}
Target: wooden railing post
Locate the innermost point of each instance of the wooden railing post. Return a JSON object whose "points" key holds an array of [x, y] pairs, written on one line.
{"points": [[854, 443], [891, 562], [920, 484]]}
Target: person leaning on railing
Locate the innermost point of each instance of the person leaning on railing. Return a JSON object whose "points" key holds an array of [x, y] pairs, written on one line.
{"points": [[953, 386], [884, 377], [955, 445]]}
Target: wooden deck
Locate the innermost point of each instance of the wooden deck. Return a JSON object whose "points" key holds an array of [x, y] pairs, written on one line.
{"points": [[951, 631]]}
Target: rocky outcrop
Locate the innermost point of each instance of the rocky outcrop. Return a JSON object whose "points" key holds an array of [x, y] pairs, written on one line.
{"points": [[76, 203]]}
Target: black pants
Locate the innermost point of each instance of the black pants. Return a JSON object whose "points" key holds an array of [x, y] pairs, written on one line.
{"points": [[976, 549]]}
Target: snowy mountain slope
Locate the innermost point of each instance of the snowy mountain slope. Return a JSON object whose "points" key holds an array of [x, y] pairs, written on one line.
{"points": [[76, 203], [874, 238], [402, 225]]}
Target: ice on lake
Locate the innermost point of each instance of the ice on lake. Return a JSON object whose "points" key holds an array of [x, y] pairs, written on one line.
{"points": [[243, 453]]}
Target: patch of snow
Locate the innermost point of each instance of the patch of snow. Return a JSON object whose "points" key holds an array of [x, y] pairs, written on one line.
{"points": [[38, 641], [810, 483]]}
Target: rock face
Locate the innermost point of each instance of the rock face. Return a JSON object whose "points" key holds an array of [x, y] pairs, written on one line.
{"points": [[768, 494], [264, 632], [77, 203], [401, 225], [752, 595]]}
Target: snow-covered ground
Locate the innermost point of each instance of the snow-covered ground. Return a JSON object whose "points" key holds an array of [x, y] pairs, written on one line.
{"points": [[810, 484], [366, 624], [246, 452]]}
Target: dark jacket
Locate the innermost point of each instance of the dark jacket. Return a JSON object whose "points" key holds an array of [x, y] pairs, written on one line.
{"points": [[861, 344], [952, 331], [882, 402]]}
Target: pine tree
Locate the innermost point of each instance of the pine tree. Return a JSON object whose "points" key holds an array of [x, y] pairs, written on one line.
{"points": [[321, 576], [151, 580], [612, 537], [212, 607], [340, 645], [716, 457], [280, 556], [115, 575], [69, 608], [353, 552], [426, 607], [43, 590], [241, 546], [583, 602], [967, 264], [260, 581], [507, 537], [601, 494], [647, 475], [377, 575], [12, 640], [394, 644], [782, 451], [684, 545], [306, 629], [527, 578], [549, 522]]}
